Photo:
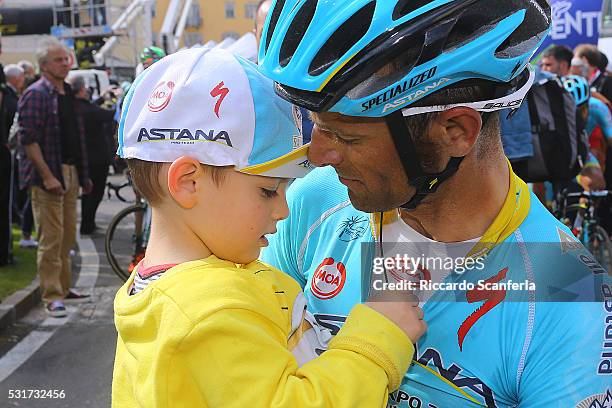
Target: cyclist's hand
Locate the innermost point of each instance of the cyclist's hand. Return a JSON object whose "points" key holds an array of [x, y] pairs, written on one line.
{"points": [[53, 185], [407, 315]]}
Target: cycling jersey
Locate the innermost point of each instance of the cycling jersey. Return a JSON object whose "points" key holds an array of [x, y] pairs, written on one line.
{"points": [[482, 348], [599, 114]]}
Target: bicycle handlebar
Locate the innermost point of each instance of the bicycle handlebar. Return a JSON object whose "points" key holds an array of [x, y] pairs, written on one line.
{"points": [[587, 194]]}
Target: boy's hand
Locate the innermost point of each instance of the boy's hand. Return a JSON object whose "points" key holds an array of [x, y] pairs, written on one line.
{"points": [[407, 315]]}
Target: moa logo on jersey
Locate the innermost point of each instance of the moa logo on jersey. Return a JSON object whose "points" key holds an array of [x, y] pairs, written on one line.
{"points": [[328, 279]]}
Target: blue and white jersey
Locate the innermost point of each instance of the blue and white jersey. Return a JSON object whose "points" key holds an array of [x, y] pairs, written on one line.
{"points": [[599, 114], [548, 346]]}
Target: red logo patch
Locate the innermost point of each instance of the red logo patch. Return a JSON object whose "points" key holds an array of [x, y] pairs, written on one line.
{"points": [[491, 299], [328, 279], [219, 91], [161, 95]]}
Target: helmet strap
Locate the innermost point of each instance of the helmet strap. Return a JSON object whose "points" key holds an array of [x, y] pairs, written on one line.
{"points": [[425, 183]]}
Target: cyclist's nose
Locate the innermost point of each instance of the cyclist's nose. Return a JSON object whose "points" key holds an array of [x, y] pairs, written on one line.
{"points": [[323, 149]]}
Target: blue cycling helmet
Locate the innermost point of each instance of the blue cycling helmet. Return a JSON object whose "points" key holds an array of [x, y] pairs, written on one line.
{"points": [[328, 55], [377, 57], [578, 87]]}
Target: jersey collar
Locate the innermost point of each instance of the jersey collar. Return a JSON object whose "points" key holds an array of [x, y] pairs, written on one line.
{"points": [[513, 213]]}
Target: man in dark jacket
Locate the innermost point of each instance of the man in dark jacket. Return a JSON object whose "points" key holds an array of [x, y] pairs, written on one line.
{"points": [[597, 77], [99, 142], [6, 244]]}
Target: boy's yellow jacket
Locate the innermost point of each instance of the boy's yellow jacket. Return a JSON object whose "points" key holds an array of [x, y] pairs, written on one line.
{"points": [[210, 333]]}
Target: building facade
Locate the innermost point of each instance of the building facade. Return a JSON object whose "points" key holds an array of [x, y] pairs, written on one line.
{"points": [[209, 20]]}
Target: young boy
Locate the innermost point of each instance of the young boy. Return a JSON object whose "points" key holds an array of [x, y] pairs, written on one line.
{"points": [[201, 322]]}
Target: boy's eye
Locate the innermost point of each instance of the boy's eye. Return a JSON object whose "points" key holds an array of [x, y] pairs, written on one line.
{"points": [[269, 193]]}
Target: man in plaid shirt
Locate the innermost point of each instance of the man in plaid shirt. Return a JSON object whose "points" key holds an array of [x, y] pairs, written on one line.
{"points": [[52, 137]]}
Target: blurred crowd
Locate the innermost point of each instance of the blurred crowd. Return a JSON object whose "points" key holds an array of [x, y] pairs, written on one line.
{"points": [[57, 144]]}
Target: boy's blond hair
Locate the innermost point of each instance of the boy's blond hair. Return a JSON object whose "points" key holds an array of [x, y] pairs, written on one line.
{"points": [[145, 178]]}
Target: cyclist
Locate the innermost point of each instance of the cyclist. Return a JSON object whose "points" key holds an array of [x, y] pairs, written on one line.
{"points": [[593, 113], [150, 55], [404, 96]]}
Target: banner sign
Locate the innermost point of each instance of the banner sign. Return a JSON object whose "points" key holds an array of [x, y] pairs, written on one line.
{"points": [[25, 21], [574, 22]]}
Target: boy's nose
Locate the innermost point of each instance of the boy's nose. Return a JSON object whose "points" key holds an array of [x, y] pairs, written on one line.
{"points": [[282, 210]]}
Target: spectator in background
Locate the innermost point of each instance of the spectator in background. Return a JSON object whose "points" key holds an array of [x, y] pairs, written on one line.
{"points": [[15, 81], [263, 7], [52, 136], [591, 57], [558, 60], [29, 72], [6, 243], [15, 84], [603, 63], [99, 150], [601, 85]]}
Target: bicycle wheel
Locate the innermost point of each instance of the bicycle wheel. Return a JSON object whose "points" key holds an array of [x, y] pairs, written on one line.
{"points": [[123, 240], [600, 246]]}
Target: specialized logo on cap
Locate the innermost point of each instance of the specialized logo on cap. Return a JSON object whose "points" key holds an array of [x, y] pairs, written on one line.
{"points": [[328, 279], [161, 95], [219, 91]]}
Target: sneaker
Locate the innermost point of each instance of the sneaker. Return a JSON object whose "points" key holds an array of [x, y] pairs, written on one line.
{"points": [[28, 243], [56, 309], [75, 297]]}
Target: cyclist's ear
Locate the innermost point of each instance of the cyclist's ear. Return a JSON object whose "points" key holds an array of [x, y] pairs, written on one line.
{"points": [[183, 176], [458, 130]]}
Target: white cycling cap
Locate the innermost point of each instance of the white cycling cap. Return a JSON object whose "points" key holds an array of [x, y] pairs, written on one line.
{"points": [[216, 107]]}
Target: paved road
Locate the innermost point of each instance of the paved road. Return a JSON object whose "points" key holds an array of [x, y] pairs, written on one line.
{"points": [[73, 354]]}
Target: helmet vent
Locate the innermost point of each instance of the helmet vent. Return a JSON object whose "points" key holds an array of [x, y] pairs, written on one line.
{"points": [[347, 35], [405, 7], [529, 33], [471, 24], [278, 8], [296, 31]]}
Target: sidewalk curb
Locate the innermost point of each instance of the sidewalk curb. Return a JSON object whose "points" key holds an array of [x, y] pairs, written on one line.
{"points": [[19, 304]]}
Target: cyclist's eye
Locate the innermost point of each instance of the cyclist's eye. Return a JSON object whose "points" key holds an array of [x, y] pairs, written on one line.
{"points": [[346, 140], [342, 138], [269, 193]]}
